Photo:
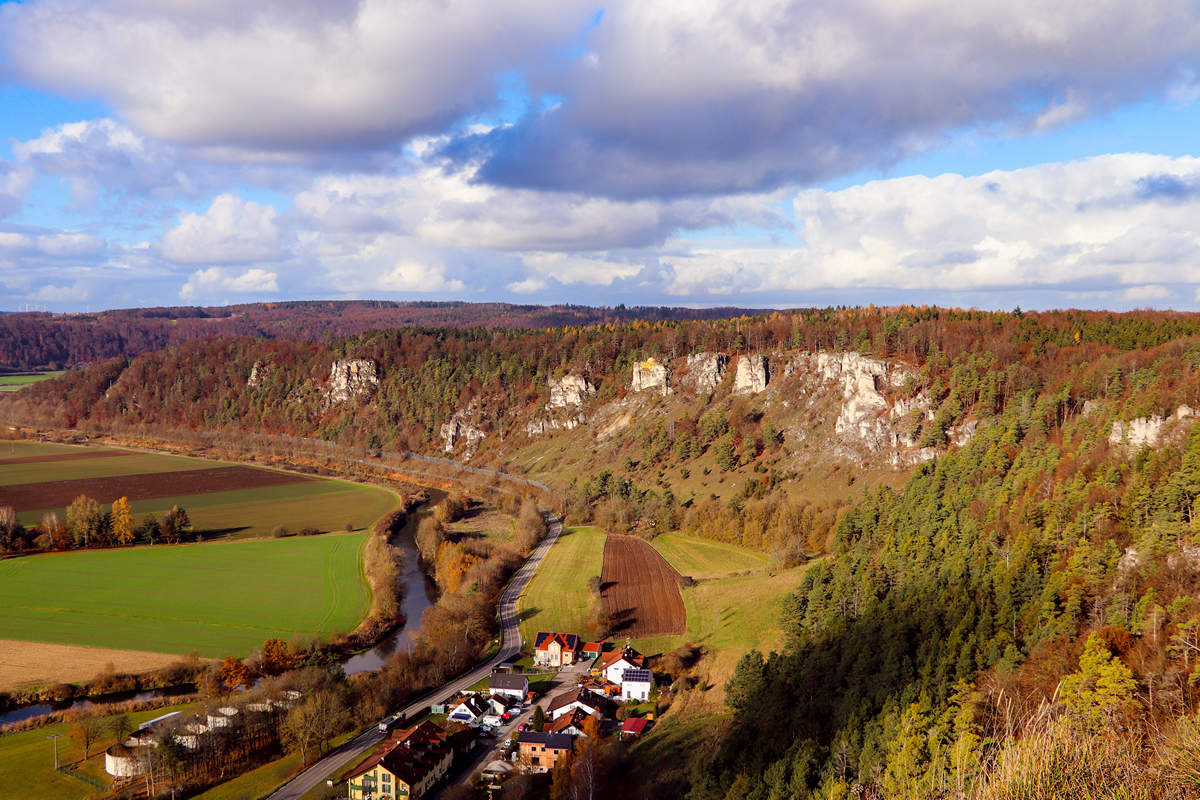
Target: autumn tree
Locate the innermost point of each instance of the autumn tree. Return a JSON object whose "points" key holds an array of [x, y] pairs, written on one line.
{"points": [[122, 521], [1103, 688], [85, 519], [86, 729], [276, 656], [309, 726], [175, 524], [234, 673]]}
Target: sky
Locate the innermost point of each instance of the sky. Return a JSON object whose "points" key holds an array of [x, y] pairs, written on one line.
{"points": [[764, 153]]}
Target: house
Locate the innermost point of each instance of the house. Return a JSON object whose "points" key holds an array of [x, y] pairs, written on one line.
{"points": [[634, 727], [512, 685], [539, 752], [635, 684], [406, 766], [555, 649], [470, 711], [570, 724], [593, 649], [611, 665], [591, 703]]}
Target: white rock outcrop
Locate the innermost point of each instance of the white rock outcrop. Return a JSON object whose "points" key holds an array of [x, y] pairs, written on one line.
{"points": [[461, 429], [539, 426], [350, 378], [569, 390], [753, 374], [258, 374], [706, 370], [863, 407], [1146, 431], [650, 374]]}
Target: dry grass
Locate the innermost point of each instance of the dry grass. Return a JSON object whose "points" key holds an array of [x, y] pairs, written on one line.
{"points": [[26, 664]]}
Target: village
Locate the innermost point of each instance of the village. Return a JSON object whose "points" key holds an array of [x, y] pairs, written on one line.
{"points": [[509, 727]]}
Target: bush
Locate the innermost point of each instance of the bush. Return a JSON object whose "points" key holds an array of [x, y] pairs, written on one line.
{"points": [[279, 531], [309, 531]]}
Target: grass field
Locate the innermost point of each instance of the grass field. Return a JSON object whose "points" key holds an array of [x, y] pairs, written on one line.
{"points": [[27, 761], [217, 598], [704, 558], [557, 599], [24, 664], [15, 383]]}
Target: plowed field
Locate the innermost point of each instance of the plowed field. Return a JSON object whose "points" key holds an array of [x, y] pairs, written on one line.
{"points": [[639, 590], [58, 494]]}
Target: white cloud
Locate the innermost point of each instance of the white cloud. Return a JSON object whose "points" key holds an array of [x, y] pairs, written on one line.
{"points": [[76, 292], [217, 280], [527, 286], [566, 268], [232, 231], [1122, 222]]}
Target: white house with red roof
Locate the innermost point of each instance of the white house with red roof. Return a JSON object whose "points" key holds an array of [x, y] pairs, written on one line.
{"points": [[555, 649]]}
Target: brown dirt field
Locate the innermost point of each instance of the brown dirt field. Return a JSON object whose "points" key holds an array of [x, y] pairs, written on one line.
{"points": [[26, 664], [65, 456], [639, 590], [59, 494]]}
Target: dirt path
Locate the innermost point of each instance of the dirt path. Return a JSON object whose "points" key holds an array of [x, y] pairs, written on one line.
{"points": [[639, 590]]}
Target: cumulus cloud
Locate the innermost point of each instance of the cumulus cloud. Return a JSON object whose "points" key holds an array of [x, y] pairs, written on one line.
{"points": [[215, 281], [656, 99], [232, 231], [589, 270], [14, 183], [1085, 226], [284, 75], [377, 262]]}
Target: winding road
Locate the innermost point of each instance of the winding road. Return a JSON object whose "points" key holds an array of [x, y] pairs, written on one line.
{"points": [[510, 645]]}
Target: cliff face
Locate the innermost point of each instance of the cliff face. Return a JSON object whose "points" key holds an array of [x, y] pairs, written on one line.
{"points": [[350, 379], [1147, 431], [569, 391], [650, 374], [461, 433], [752, 374], [706, 371]]}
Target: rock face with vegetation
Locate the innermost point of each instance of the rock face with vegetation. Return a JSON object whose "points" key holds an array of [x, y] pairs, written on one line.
{"points": [[350, 379], [753, 374], [569, 391], [462, 433], [258, 374], [706, 371], [650, 374], [1147, 431]]}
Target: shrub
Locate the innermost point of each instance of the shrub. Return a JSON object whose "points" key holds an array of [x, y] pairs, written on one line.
{"points": [[279, 531]]}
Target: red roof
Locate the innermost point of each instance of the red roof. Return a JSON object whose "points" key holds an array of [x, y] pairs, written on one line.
{"points": [[594, 647], [634, 725], [568, 641]]}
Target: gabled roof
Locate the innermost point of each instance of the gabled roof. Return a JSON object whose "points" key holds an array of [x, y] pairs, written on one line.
{"points": [[630, 655], [555, 741], [582, 695], [475, 704], [508, 681], [410, 756], [637, 676], [576, 718], [569, 641], [634, 725], [594, 647]]}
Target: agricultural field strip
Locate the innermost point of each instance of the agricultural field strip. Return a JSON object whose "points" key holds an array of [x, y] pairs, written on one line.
{"points": [[52, 457], [24, 447], [704, 558], [558, 592], [57, 494], [106, 467], [71, 598], [641, 590]]}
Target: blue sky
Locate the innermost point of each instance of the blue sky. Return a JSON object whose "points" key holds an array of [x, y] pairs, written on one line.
{"points": [[703, 153]]}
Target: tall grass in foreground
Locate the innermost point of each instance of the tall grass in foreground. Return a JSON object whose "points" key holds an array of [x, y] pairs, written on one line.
{"points": [[1061, 762]]}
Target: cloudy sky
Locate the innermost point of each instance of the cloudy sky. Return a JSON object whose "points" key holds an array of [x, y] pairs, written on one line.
{"points": [[759, 153]]}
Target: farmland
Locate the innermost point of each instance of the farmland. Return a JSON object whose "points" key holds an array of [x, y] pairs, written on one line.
{"points": [[557, 598], [640, 589], [704, 558], [247, 502], [217, 598], [17, 382]]}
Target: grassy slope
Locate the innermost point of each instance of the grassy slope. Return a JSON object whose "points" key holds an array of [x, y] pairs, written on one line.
{"points": [[704, 558], [27, 761], [218, 598], [134, 464], [262, 781], [15, 383], [557, 598]]}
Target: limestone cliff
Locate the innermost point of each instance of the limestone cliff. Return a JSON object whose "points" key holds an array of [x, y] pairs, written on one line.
{"points": [[1146, 431], [650, 374], [462, 430], [350, 378], [752, 374], [569, 390], [705, 371]]}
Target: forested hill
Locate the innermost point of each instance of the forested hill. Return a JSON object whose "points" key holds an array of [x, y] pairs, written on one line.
{"points": [[56, 341], [1008, 506]]}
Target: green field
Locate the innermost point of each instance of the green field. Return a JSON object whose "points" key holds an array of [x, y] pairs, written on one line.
{"points": [[15, 383], [704, 558], [27, 761], [557, 599], [217, 598]]}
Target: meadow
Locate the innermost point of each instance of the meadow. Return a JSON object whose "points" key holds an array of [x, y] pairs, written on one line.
{"points": [[557, 599], [17, 382], [217, 598]]}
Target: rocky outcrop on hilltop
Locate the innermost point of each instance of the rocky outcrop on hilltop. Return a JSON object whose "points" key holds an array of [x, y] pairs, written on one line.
{"points": [[462, 430], [650, 374], [349, 379], [1146, 431], [753, 374], [568, 391], [705, 371]]}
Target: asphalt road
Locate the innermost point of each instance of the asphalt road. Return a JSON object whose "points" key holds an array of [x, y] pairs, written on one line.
{"points": [[510, 644]]}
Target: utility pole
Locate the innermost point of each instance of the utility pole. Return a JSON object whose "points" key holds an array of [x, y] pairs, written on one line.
{"points": [[55, 737]]}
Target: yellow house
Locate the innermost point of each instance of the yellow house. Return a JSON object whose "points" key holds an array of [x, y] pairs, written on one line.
{"points": [[404, 768]]}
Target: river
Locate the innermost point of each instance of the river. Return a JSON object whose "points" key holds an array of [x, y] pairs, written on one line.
{"points": [[420, 592]]}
